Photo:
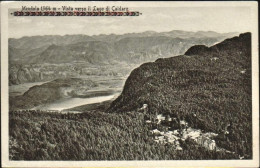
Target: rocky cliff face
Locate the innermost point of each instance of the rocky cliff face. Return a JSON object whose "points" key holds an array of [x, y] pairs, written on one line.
{"points": [[34, 73], [22, 74], [144, 49], [212, 82]]}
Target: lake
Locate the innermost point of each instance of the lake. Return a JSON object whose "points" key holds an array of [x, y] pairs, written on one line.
{"points": [[73, 102]]}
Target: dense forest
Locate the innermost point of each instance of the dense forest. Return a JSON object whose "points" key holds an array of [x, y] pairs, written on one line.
{"points": [[93, 135]]}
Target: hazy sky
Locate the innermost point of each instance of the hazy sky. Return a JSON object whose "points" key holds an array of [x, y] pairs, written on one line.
{"points": [[220, 19]]}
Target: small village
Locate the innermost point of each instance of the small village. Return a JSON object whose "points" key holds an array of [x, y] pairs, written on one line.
{"points": [[168, 130]]}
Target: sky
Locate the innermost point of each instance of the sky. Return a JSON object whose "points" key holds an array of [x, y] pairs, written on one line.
{"points": [[159, 19]]}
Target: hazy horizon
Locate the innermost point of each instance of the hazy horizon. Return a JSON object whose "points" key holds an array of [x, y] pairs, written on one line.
{"points": [[159, 19], [122, 33]]}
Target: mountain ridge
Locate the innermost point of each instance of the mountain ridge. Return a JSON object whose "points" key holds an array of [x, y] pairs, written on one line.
{"points": [[214, 83], [19, 49], [133, 48]]}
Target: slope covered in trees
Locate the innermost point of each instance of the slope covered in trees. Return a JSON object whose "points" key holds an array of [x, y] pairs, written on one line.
{"points": [[92, 136], [212, 82]]}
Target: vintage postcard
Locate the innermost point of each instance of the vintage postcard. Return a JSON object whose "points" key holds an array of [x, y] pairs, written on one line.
{"points": [[129, 84]]}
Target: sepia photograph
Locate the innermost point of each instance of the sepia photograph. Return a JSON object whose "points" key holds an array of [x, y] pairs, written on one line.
{"points": [[88, 82]]}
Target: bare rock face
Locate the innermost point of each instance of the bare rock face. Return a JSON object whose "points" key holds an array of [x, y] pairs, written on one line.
{"points": [[22, 74]]}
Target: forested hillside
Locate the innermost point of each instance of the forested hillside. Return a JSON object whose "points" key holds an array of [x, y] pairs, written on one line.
{"points": [[93, 136], [214, 83]]}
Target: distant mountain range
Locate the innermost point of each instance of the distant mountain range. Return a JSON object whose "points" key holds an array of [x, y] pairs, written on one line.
{"points": [[100, 49]]}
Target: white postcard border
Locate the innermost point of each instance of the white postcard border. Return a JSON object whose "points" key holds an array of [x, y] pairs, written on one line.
{"points": [[4, 90]]}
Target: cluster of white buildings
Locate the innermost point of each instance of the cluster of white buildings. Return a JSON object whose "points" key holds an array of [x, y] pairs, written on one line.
{"points": [[169, 137], [174, 137], [204, 139]]}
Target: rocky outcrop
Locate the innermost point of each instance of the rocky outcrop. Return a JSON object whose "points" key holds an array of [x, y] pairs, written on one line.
{"points": [[19, 74]]}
